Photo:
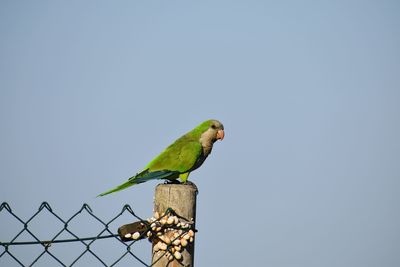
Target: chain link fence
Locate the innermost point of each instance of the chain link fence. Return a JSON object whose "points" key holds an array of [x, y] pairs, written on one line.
{"points": [[26, 247]]}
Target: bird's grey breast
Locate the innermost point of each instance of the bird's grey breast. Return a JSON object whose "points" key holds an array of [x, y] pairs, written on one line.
{"points": [[206, 141]]}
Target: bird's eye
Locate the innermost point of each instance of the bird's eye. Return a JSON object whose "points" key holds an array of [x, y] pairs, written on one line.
{"points": [[213, 126]]}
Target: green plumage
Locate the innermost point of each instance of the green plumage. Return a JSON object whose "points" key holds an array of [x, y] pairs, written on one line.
{"points": [[176, 161]]}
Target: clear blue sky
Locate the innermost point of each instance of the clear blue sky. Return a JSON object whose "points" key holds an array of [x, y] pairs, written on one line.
{"points": [[309, 93]]}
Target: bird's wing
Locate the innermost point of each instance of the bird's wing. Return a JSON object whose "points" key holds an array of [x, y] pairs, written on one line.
{"points": [[181, 156]]}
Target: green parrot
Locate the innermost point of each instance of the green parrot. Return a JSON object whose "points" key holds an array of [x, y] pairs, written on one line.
{"points": [[180, 158]]}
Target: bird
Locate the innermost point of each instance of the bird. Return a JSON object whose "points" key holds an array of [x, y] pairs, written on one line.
{"points": [[180, 158]]}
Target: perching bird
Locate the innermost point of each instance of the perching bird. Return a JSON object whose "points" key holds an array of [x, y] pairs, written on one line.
{"points": [[182, 157]]}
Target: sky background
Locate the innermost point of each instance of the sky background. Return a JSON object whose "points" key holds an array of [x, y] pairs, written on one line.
{"points": [[309, 93]]}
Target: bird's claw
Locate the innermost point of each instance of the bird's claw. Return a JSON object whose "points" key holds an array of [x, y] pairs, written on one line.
{"points": [[175, 181]]}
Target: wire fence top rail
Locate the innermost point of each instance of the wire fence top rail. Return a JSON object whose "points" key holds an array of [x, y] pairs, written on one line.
{"points": [[86, 244]]}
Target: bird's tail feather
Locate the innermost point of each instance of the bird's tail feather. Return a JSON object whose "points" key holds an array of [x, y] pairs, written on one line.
{"points": [[142, 177], [118, 188]]}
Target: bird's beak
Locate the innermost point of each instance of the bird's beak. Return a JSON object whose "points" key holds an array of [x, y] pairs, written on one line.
{"points": [[220, 135]]}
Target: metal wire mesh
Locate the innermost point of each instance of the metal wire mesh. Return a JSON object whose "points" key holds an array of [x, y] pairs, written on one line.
{"points": [[46, 248]]}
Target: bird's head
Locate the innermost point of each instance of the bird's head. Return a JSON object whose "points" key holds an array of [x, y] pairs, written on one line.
{"points": [[211, 131], [217, 129]]}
